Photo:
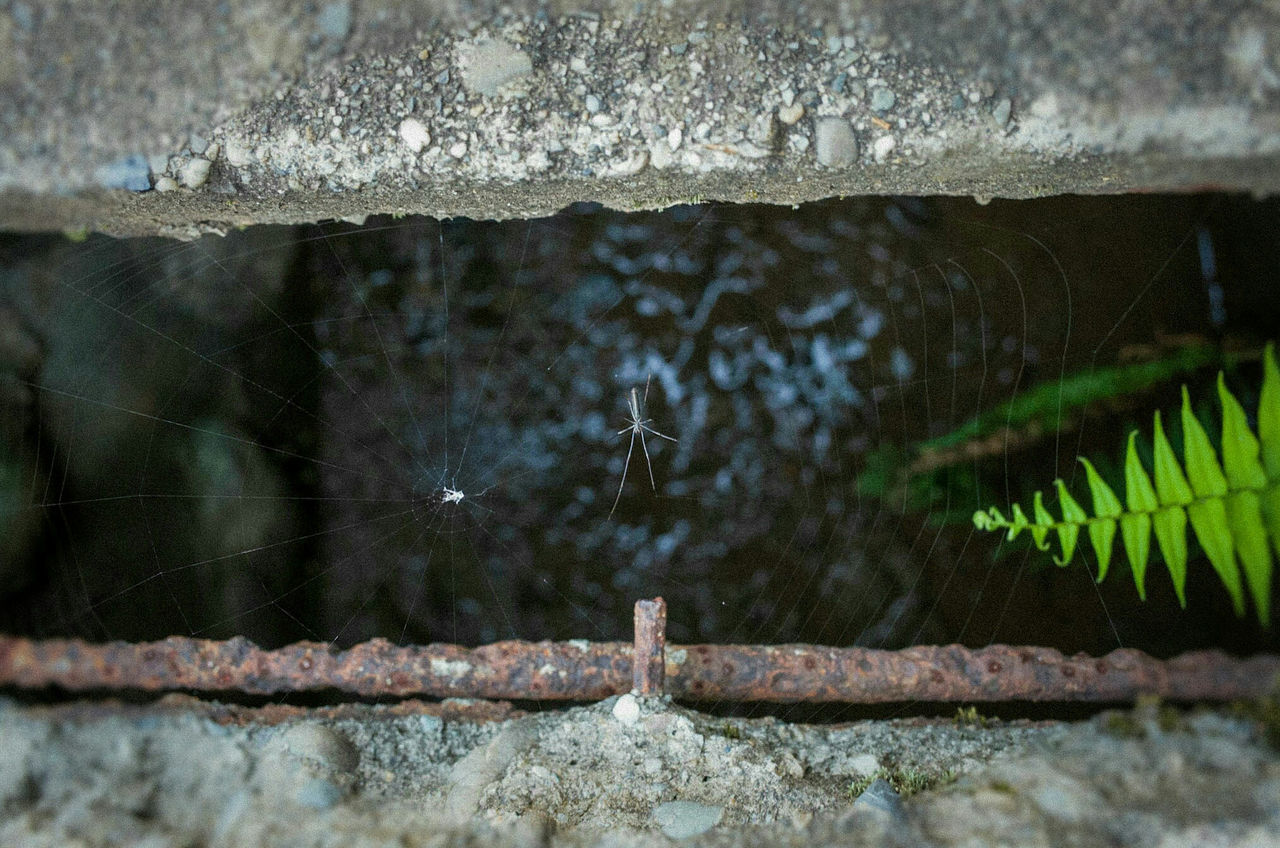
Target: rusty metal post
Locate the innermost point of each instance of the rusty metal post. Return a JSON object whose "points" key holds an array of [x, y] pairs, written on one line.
{"points": [[649, 658]]}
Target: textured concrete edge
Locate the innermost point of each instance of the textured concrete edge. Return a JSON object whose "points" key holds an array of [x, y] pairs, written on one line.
{"points": [[190, 215], [346, 110]]}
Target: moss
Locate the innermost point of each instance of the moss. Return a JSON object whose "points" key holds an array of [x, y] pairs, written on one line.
{"points": [[905, 781], [730, 731], [1146, 712], [1265, 712], [1003, 786], [969, 717], [1121, 724]]}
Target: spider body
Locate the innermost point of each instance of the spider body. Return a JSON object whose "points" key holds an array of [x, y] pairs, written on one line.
{"points": [[637, 426]]}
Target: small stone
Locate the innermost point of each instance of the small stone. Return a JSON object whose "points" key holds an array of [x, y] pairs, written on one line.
{"points": [[198, 144], [578, 65], [489, 65], [196, 172], [458, 150], [684, 819], [334, 20], [593, 103], [414, 134], [837, 146], [213, 152], [321, 746], [1002, 112], [880, 799], [238, 155], [882, 99], [790, 114], [882, 147], [627, 709], [789, 766], [132, 173], [166, 184], [674, 138], [864, 765], [319, 794]]}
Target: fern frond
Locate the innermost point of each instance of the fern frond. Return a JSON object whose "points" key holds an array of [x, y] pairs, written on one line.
{"points": [[1233, 506]]}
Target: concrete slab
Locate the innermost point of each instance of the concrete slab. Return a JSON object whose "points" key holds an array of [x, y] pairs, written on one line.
{"points": [[182, 118]]}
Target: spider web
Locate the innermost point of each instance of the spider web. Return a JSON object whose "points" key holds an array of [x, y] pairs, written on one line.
{"points": [[409, 428]]}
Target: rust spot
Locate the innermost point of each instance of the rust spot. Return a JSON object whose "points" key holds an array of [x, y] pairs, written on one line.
{"points": [[727, 669], [936, 676], [1026, 657], [305, 664], [810, 663], [1068, 671], [995, 667], [1101, 666]]}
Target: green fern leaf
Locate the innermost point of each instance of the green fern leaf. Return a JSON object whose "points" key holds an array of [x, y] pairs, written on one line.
{"points": [[1245, 477], [1136, 525], [1106, 506], [1233, 507]]}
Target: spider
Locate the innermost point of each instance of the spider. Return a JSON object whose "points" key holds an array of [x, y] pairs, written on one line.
{"points": [[637, 426]]}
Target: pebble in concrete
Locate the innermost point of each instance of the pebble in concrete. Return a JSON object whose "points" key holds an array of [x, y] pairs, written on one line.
{"points": [[414, 134], [790, 114], [1002, 112], [837, 146], [684, 819], [882, 99], [627, 709], [196, 172], [132, 173], [319, 794], [488, 65], [880, 799], [882, 147], [322, 746]]}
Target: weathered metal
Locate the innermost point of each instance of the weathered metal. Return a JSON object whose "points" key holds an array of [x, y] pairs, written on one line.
{"points": [[795, 673], [589, 671], [649, 654], [507, 670]]}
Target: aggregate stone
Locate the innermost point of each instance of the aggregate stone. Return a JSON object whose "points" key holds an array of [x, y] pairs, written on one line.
{"points": [[837, 146], [683, 819], [882, 99]]}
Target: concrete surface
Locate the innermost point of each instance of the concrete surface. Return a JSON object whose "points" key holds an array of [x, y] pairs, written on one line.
{"points": [[183, 773], [179, 118]]}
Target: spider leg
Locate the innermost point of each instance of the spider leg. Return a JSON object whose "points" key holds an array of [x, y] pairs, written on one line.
{"points": [[656, 433], [625, 466], [647, 463]]}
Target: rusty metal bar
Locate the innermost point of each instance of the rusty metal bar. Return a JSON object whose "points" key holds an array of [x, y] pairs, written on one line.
{"points": [[589, 671], [648, 664]]}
